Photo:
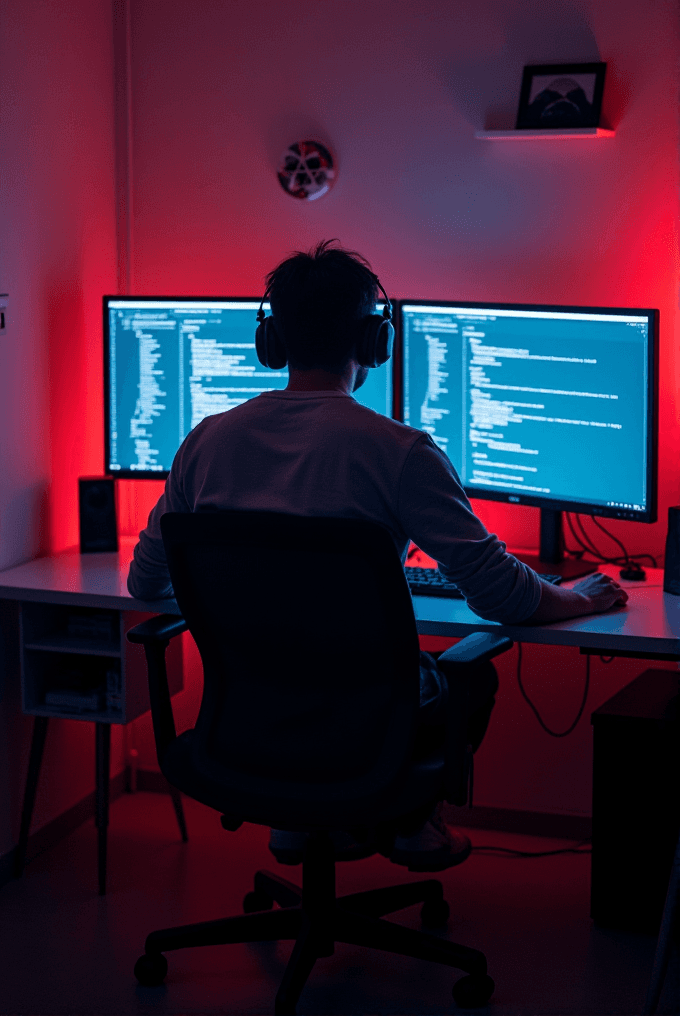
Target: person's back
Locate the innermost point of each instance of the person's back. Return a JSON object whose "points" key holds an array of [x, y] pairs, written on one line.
{"points": [[312, 450]]}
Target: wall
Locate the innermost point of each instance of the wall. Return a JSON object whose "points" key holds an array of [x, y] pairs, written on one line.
{"points": [[397, 90], [56, 259]]}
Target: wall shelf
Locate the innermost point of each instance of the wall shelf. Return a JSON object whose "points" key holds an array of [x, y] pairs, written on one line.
{"points": [[574, 133]]}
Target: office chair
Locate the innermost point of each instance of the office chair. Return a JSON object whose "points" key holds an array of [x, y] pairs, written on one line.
{"points": [[307, 634]]}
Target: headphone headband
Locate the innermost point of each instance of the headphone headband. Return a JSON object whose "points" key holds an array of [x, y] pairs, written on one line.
{"points": [[260, 313], [387, 309], [374, 346], [386, 313]]}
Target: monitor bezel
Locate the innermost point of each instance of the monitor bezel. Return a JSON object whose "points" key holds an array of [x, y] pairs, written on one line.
{"points": [[162, 475], [649, 514]]}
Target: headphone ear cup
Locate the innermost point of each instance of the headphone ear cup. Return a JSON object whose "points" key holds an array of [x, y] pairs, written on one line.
{"points": [[268, 345], [375, 346]]}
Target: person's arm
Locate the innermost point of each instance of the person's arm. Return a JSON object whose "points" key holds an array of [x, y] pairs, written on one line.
{"points": [[438, 517], [436, 514], [593, 595], [149, 577]]}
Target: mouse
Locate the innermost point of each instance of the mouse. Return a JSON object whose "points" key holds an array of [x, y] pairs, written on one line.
{"points": [[634, 572]]}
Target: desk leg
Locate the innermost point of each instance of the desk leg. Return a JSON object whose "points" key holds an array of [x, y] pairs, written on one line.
{"points": [[34, 761], [179, 812], [101, 818]]}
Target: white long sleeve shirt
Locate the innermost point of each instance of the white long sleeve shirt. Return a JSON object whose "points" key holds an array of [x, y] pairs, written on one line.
{"points": [[324, 454]]}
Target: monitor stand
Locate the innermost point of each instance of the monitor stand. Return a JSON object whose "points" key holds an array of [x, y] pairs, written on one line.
{"points": [[550, 559]]}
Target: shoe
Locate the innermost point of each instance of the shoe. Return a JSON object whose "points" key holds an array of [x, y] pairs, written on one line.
{"points": [[435, 848], [288, 847]]}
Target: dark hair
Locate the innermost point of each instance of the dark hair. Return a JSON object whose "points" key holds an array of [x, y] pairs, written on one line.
{"points": [[318, 300]]}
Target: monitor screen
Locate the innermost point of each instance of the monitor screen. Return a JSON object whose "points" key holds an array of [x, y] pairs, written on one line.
{"points": [[548, 406], [171, 361]]}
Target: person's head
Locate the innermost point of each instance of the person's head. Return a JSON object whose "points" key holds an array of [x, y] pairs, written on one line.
{"points": [[319, 300]]}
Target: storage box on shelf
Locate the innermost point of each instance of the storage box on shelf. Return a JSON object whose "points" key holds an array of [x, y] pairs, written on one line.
{"points": [[77, 664]]}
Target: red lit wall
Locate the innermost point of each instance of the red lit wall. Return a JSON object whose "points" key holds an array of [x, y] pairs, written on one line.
{"points": [[397, 90], [56, 258]]}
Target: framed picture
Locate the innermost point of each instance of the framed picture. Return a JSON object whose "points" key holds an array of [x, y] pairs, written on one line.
{"points": [[558, 96]]}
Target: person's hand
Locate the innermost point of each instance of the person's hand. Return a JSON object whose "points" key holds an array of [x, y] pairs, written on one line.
{"points": [[601, 591]]}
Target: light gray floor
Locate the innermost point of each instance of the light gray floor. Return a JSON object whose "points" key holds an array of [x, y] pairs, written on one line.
{"points": [[66, 950]]}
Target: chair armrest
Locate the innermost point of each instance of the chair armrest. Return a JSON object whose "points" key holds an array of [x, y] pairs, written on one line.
{"points": [[480, 647], [154, 635], [161, 628]]}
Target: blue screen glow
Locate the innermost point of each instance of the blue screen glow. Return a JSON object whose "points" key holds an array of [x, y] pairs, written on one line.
{"points": [[541, 403], [170, 363]]}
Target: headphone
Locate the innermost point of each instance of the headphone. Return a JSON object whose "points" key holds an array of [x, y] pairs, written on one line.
{"points": [[374, 345]]}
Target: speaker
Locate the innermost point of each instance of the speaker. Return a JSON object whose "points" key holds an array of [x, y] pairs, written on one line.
{"points": [[671, 573], [97, 514]]}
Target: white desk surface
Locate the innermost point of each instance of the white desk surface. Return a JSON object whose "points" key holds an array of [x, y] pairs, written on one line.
{"points": [[82, 580], [649, 623]]}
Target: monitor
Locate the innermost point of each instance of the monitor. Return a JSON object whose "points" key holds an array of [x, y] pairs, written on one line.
{"points": [[539, 405], [171, 361]]}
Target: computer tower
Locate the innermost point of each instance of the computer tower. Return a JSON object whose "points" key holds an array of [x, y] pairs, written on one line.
{"points": [[636, 801]]}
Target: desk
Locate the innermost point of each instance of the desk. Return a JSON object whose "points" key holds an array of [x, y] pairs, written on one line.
{"points": [[76, 663], [648, 626]]}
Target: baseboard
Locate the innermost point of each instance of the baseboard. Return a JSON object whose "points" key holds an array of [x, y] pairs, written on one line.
{"points": [[509, 820], [531, 823], [150, 780], [59, 828], [551, 825]]}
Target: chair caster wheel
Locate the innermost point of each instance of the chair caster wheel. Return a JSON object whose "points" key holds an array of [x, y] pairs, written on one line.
{"points": [[435, 913], [473, 991], [255, 901], [150, 969]]}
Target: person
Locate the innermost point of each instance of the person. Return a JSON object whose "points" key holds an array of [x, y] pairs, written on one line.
{"points": [[312, 449]]}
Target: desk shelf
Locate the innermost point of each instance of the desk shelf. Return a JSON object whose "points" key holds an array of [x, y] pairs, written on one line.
{"points": [[77, 664], [73, 614], [71, 645]]}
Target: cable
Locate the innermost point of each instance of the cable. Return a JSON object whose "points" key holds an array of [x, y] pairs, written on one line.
{"points": [[587, 545], [590, 543], [578, 849], [583, 548], [612, 537], [542, 723], [629, 557]]}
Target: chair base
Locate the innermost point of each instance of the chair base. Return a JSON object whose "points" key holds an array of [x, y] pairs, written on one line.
{"points": [[316, 920]]}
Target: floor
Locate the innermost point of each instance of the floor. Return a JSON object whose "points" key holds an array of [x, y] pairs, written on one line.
{"points": [[66, 950]]}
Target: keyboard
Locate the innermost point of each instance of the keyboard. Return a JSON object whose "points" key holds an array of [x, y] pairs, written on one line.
{"points": [[431, 582]]}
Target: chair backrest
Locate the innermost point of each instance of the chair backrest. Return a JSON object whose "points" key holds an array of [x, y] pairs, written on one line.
{"points": [[307, 635]]}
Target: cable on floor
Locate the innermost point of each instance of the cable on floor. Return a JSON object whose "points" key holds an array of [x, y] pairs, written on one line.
{"points": [[583, 847]]}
